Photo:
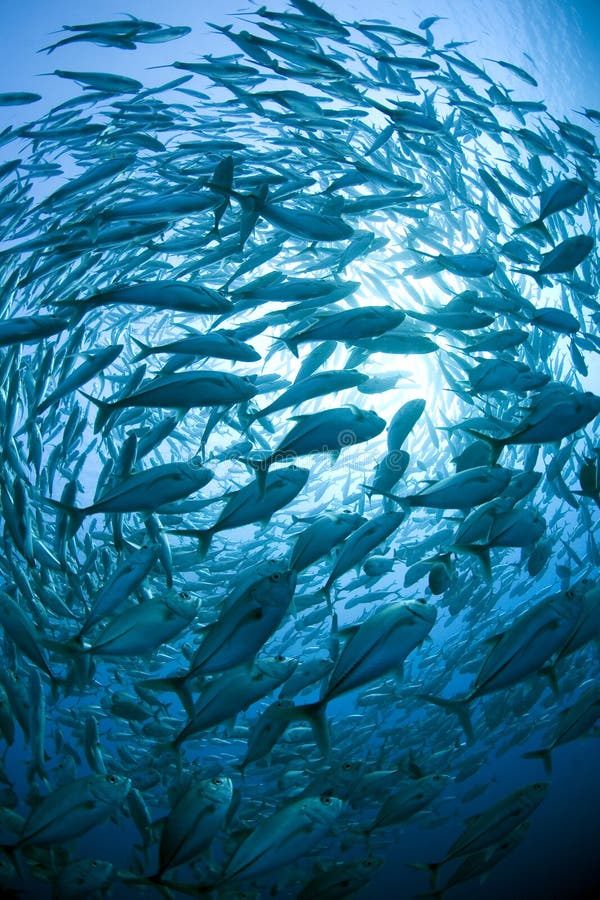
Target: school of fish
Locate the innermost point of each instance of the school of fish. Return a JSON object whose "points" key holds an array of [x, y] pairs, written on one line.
{"points": [[300, 460]]}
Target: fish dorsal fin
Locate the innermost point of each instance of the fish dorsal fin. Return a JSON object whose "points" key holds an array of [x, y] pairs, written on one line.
{"points": [[348, 631], [494, 638], [471, 820]]}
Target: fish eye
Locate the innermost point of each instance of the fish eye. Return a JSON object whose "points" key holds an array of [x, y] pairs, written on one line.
{"points": [[326, 800], [196, 462], [217, 781], [184, 595], [94, 864], [275, 577], [570, 593], [347, 766], [112, 779], [280, 658]]}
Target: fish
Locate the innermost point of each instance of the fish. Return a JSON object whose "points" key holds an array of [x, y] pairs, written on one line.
{"points": [[252, 504], [183, 390], [72, 810], [553, 415], [560, 195], [363, 322], [375, 647], [144, 491], [574, 721], [522, 650], [564, 257], [166, 294], [496, 822], [193, 822], [329, 431], [289, 833], [220, 346], [311, 387], [18, 98]]}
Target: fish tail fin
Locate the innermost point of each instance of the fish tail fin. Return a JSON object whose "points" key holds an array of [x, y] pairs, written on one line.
{"points": [[545, 754], [55, 684], [314, 714], [35, 767], [172, 747], [145, 350], [535, 225], [459, 708], [496, 445], [177, 684], [403, 502], [481, 553], [291, 345], [325, 594], [433, 869], [260, 467], [537, 276], [68, 648], [74, 514], [104, 413], [11, 851], [549, 672], [205, 537]]}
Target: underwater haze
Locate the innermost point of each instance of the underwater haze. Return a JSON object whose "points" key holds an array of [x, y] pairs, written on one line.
{"points": [[300, 450]]}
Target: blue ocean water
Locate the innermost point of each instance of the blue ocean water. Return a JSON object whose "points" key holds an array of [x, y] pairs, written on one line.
{"points": [[558, 857]]}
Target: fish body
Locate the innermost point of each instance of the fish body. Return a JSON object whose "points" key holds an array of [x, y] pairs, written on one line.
{"points": [[529, 642], [70, 811], [409, 798], [321, 537], [284, 837], [212, 344], [26, 329], [184, 390], [463, 490], [380, 644], [565, 257], [143, 491], [246, 624], [142, 628], [193, 821], [348, 325], [251, 504], [228, 694], [560, 195], [175, 295], [362, 541], [325, 432], [499, 819], [318, 385]]}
